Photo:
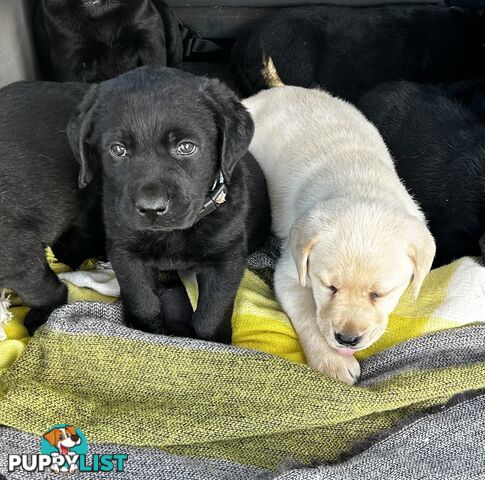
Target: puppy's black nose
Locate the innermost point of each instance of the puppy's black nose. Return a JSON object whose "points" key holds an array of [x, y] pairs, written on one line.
{"points": [[74, 438], [152, 206], [346, 339]]}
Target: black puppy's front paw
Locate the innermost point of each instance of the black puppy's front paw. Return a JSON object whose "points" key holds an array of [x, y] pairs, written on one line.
{"points": [[177, 310], [152, 325], [36, 318], [207, 329]]}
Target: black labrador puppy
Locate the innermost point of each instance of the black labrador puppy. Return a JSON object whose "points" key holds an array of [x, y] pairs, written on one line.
{"points": [[349, 50], [94, 40], [438, 149], [40, 203], [180, 191]]}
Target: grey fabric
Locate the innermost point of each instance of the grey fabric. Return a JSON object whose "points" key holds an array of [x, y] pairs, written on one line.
{"points": [[446, 445], [142, 464], [449, 348]]}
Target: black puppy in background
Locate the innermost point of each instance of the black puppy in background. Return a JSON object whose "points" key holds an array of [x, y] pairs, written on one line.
{"points": [[94, 40], [40, 204], [438, 150], [349, 50], [179, 190]]}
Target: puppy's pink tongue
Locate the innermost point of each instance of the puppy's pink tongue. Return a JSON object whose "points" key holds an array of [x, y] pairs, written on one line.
{"points": [[348, 352]]}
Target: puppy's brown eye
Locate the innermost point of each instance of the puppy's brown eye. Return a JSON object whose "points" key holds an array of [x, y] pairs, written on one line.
{"points": [[186, 148], [333, 289], [374, 295], [117, 150]]}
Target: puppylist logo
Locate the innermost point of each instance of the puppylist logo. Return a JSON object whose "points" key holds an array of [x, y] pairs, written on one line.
{"points": [[64, 449]]}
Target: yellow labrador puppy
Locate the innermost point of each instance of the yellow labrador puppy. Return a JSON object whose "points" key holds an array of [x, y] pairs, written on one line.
{"points": [[352, 237]]}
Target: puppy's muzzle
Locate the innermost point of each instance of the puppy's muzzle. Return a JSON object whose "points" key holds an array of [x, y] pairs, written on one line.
{"points": [[151, 203]]}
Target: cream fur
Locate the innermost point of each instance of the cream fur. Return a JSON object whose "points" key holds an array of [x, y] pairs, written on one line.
{"points": [[344, 218]]}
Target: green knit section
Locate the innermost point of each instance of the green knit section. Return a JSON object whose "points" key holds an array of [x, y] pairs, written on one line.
{"points": [[250, 408]]}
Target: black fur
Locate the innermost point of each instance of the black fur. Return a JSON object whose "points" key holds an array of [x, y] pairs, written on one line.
{"points": [[439, 151], [349, 50], [40, 202], [151, 112], [470, 93], [80, 40]]}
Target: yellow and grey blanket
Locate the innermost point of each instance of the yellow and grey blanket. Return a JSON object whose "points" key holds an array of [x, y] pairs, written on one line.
{"points": [[187, 409], [452, 296]]}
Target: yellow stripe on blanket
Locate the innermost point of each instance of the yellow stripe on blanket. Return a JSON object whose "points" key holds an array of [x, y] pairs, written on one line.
{"points": [[259, 323], [451, 296]]}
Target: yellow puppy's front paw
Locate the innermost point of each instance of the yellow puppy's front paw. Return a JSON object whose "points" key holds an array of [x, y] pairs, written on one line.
{"points": [[343, 368]]}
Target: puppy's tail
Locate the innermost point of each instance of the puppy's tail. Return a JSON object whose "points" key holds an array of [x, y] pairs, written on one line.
{"points": [[270, 74]]}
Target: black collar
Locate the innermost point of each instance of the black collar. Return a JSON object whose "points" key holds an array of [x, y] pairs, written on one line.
{"points": [[216, 196]]}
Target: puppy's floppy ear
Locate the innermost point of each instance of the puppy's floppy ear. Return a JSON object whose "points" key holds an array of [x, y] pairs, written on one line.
{"points": [[235, 125], [52, 437], [304, 234], [421, 251], [71, 429], [79, 129]]}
